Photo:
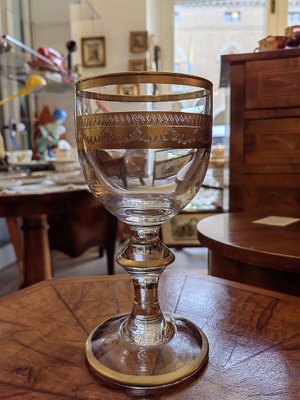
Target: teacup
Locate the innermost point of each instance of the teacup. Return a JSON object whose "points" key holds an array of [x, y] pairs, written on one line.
{"points": [[69, 154], [272, 43], [290, 30]]}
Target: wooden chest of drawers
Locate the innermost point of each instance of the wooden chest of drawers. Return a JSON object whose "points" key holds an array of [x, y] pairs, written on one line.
{"points": [[264, 164]]}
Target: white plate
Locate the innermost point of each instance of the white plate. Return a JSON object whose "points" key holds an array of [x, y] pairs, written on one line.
{"points": [[70, 181], [31, 180], [43, 172], [75, 177], [12, 175], [34, 163], [9, 183], [66, 165]]}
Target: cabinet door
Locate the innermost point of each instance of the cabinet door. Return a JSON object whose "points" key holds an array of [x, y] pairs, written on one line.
{"points": [[272, 143], [266, 175], [273, 192], [273, 83]]}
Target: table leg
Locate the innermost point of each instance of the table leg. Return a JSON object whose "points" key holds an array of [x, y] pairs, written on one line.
{"points": [[37, 260], [15, 238]]}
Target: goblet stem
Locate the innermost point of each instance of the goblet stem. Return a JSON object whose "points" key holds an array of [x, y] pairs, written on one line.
{"points": [[145, 258], [146, 325]]}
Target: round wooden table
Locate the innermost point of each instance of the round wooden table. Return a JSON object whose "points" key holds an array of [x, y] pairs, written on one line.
{"points": [[253, 336], [34, 210], [255, 253]]}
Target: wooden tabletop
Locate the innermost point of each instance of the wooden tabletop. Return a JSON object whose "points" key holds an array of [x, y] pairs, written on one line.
{"points": [[257, 254], [235, 235], [28, 205], [253, 336]]}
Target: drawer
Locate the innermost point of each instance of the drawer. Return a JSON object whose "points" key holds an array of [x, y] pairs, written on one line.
{"points": [[272, 142], [272, 83], [272, 192]]}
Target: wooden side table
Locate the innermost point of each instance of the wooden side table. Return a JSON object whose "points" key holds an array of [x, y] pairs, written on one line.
{"points": [[262, 255], [253, 336], [34, 210]]}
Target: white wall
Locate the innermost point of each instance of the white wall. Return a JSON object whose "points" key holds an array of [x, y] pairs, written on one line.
{"points": [[58, 21], [160, 23], [55, 22], [118, 18], [50, 23]]}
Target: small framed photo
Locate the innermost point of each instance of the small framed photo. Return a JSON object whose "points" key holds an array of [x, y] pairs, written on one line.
{"points": [[93, 52], [138, 41], [181, 230], [130, 89], [137, 65], [166, 168]]}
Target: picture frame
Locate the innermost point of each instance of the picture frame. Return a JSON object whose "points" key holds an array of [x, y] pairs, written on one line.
{"points": [[138, 41], [137, 65], [93, 51], [130, 89], [164, 169], [181, 230]]}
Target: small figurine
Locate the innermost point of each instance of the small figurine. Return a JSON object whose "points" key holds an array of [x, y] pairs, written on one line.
{"points": [[47, 135]]}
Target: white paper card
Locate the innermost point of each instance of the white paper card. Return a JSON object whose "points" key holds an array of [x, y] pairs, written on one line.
{"points": [[276, 221]]}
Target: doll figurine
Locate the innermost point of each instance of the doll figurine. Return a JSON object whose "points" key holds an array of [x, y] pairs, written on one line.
{"points": [[47, 134]]}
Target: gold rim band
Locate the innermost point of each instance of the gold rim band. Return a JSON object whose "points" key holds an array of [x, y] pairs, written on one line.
{"points": [[153, 130], [149, 380], [143, 77]]}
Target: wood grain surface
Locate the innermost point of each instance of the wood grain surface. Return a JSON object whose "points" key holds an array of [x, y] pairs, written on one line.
{"points": [[254, 338], [241, 58], [257, 254], [237, 237]]}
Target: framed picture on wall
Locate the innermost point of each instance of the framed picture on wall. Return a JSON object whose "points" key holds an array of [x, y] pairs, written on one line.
{"points": [[170, 167], [181, 230], [138, 41], [93, 52], [130, 89], [137, 65]]}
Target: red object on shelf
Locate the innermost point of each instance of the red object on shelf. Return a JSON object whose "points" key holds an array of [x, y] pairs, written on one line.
{"points": [[51, 60]]}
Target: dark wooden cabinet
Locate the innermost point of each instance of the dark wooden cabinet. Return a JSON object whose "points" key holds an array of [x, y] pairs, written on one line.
{"points": [[75, 231], [264, 155]]}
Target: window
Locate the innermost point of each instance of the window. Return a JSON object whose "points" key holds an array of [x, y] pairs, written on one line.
{"points": [[204, 30], [293, 12], [232, 16]]}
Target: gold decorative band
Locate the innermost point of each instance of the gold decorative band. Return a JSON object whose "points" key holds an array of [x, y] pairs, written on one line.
{"points": [[197, 94], [198, 87], [140, 130]]}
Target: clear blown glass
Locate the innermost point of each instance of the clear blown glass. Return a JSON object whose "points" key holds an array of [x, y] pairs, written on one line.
{"points": [[144, 142]]}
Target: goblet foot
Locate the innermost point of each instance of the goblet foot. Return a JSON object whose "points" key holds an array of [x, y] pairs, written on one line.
{"points": [[123, 363]]}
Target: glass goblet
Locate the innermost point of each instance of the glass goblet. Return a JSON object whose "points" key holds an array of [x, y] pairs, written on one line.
{"points": [[143, 142]]}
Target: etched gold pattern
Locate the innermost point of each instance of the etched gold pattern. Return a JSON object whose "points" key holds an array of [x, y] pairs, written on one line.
{"points": [[153, 130]]}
